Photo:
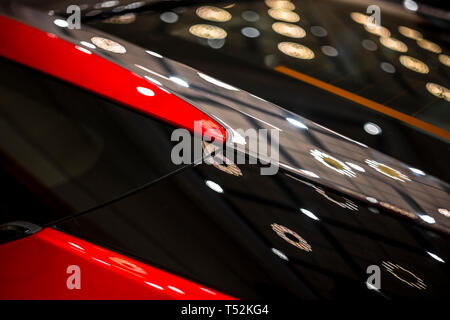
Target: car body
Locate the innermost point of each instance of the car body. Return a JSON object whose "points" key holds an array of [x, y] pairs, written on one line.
{"points": [[88, 116]]}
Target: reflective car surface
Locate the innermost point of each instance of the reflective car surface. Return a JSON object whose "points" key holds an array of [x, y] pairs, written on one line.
{"points": [[359, 117]]}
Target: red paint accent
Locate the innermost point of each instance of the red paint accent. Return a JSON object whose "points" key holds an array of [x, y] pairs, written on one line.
{"points": [[35, 267], [59, 58]]}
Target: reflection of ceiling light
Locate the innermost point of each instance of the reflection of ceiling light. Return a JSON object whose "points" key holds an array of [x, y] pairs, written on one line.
{"points": [[356, 167], [318, 31], [371, 200], [369, 45], [145, 91], [208, 31], [387, 171], [250, 16], [297, 123], [378, 30], [372, 128], [108, 45], [340, 201], [296, 50], [417, 171], [359, 17], [216, 82], [438, 90], [61, 23], [214, 186], [250, 32], [332, 163], [410, 33], [106, 4], [154, 54], [396, 209], [428, 45], [444, 59], [435, 256], [329, 51], [88, 44], [404, 275], [175, 289], [123, 19], [179, 81], [309, 173], [154, 285], [169, 17], [83, 49], [284, 15], [444, 212], [291, 237], [280, 4], [213, 14], [387, 67], [394, 44], [410, 5], [288, 30], [414, 64], [309, 214], [153, 80], [427, 218], [280, 254]]}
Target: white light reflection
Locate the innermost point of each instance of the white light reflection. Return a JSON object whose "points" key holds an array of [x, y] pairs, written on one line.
{"points": [[372, 128], [297, 123], [100, 261], [280, 254], [214, 186], [154, 285], [175, 289], [216, 82], [83, 50], [309, 214], [76, 246], [309, 173], [209, 291], [169, 17], [179, 81], [250, 32], [371, 200], [153, 80], [61, 23], [154, 54], [88, 44], [417, 171], [427, 218], [355, 166], [145, 91], [410, 5], [435, 256]]}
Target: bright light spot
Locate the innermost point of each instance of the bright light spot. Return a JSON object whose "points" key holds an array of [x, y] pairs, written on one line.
{"points": [[417, 171], [297, 123], [216, 82], [280, 254], [372, 128], [83, 49], [371, 199], [175, 289], [309, 173], [154, 54], [169, 17], [250, 32], [76, 246], [214, 186], [209, 291], [100, 261], [410, 5], [154, 285], [88, 44], [61, 23], [371, 287], [145, 91], [355, 166], [179, 81], [434, 256], [427, 218], [153, 80], [309, 214]]}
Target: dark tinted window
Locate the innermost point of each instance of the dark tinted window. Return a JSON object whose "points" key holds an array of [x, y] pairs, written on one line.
{"points": [[64, 150]]}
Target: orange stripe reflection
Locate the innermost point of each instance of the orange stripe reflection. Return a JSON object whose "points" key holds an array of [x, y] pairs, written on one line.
{"points": [[365, 102]]}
